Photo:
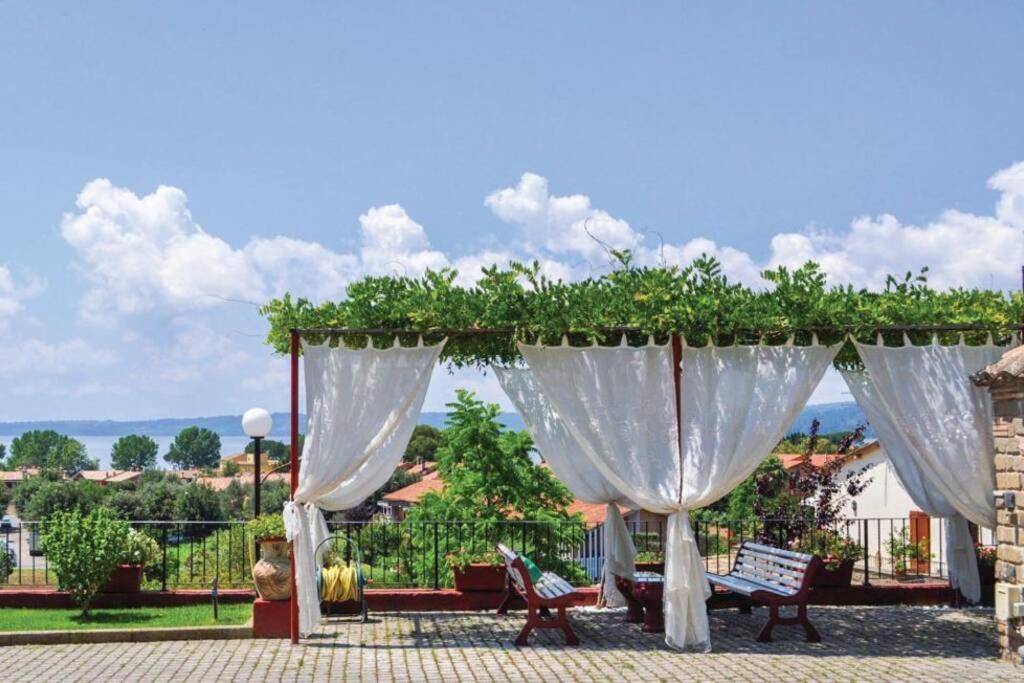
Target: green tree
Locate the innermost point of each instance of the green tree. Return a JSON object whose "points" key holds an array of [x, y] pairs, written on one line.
{"points": [[133, 452], [197, 503], [128, 504], [3, 454], [160, 498], [55, 496], [273, 495], [83, 550], [423, 444], [48, 450], [230, 469], [490, 479], [194, 447], [234, 501]]}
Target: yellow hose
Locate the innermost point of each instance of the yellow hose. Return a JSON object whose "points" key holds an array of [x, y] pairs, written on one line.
{"points": [[340, 583]]}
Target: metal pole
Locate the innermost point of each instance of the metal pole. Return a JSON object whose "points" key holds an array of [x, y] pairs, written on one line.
{"points": [[256, 476], [866, 558], [294, 607], [677, 359], [256, 488]]}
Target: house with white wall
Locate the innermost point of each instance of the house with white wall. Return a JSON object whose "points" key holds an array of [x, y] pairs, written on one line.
{"points": [[884, 508]]}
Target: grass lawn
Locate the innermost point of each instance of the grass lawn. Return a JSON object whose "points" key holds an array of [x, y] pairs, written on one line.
{"points": [[129, 617]]}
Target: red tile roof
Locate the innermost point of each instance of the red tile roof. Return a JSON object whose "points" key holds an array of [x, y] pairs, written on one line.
{"points": [[105, 476], [221, 483], [411, 494], [791, 460], [17, 475], [593, 513]]}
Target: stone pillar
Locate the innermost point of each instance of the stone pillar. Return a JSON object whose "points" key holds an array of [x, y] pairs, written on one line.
{"points": [[1005, 382]]}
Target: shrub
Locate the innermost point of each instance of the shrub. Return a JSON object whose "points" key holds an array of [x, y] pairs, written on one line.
{"points": [[830, 546], [6, 563], [226, 554], [266, 526], [84, 550], [139, 549]]}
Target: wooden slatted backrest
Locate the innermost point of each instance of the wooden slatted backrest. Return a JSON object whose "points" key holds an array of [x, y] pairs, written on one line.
{"points": [[775, 567], [516, 569]]}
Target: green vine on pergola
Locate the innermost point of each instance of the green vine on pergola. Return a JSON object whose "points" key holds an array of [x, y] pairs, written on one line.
{"points": [[517, 303]]}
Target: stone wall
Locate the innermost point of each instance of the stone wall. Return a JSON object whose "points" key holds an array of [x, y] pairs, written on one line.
{"points": [[1008, 430]]}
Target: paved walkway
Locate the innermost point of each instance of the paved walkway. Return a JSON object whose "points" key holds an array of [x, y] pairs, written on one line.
{"points": [[861, 643]]}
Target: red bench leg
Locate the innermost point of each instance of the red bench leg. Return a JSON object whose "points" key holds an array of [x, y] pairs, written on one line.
{"points": [[510, 596], [523, 639], [570, 635], [765, 636], [809, 630]]}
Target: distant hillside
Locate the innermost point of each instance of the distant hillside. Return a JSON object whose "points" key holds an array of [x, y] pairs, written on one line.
{"points": [[224, 425], [834, 417]]}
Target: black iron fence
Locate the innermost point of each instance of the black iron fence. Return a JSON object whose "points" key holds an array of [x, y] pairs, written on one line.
{"points": [[190, 555], [421, 554]]}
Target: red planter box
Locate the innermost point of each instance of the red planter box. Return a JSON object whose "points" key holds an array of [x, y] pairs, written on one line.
{"points": [[127, 578], [480, 577], [270, 618], [840, 577]]}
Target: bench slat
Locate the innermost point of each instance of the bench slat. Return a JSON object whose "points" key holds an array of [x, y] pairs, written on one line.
{"points": [[796, 565], [780, 588], [760, 572], [758, 565], [745, 585], [779, 552]]}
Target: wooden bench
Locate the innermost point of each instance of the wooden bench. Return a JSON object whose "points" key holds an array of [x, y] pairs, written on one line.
{"points": [[773, 577], [550, 592]]}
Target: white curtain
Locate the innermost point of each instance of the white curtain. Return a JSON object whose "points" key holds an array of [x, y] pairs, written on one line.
{"points": [[575, 470], [935, 427], [619, 403], [362, 406]]}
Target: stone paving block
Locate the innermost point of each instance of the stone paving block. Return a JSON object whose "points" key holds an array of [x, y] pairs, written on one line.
{"points": [[860, 643]]}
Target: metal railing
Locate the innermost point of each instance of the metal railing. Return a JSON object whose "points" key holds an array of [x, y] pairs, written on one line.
{"points": [[406, 554], [191, 555]]}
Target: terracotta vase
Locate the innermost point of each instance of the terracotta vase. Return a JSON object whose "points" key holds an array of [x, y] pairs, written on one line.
{"points": [[273, 573]]}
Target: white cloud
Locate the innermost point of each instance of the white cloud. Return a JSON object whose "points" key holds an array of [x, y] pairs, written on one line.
{"points": [[14, 295], [960, 249], [559, 224], [139, 253], [22, 356], [395, 243], [173, 343]]}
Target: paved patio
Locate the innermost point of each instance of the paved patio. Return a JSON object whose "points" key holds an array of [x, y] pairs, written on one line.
{"points": [[861, 643]]}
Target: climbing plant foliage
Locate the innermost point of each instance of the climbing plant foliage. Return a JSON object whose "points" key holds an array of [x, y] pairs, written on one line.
{"points": [[697, 301]]}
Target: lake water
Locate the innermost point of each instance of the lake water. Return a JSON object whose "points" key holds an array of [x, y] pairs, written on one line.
{"points": [[99, 447]]}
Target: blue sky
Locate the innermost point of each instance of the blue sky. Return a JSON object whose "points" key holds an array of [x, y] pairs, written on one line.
{"points": [[299, 148]]}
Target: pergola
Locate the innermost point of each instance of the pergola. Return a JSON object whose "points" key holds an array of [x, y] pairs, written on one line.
{"points": [[676, 349]]}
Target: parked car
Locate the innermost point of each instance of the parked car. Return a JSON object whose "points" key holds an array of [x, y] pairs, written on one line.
{"points": [[7, 525]]}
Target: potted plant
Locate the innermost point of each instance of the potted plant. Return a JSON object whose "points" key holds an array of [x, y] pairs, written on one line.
{"points": [[138, 550], [476, 571], [838, 555], [272, 574], [902, 550], [987, 573], [650, 561]]}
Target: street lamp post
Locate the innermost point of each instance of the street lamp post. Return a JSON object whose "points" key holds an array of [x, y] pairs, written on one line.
{"points": [[256, 424]]}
